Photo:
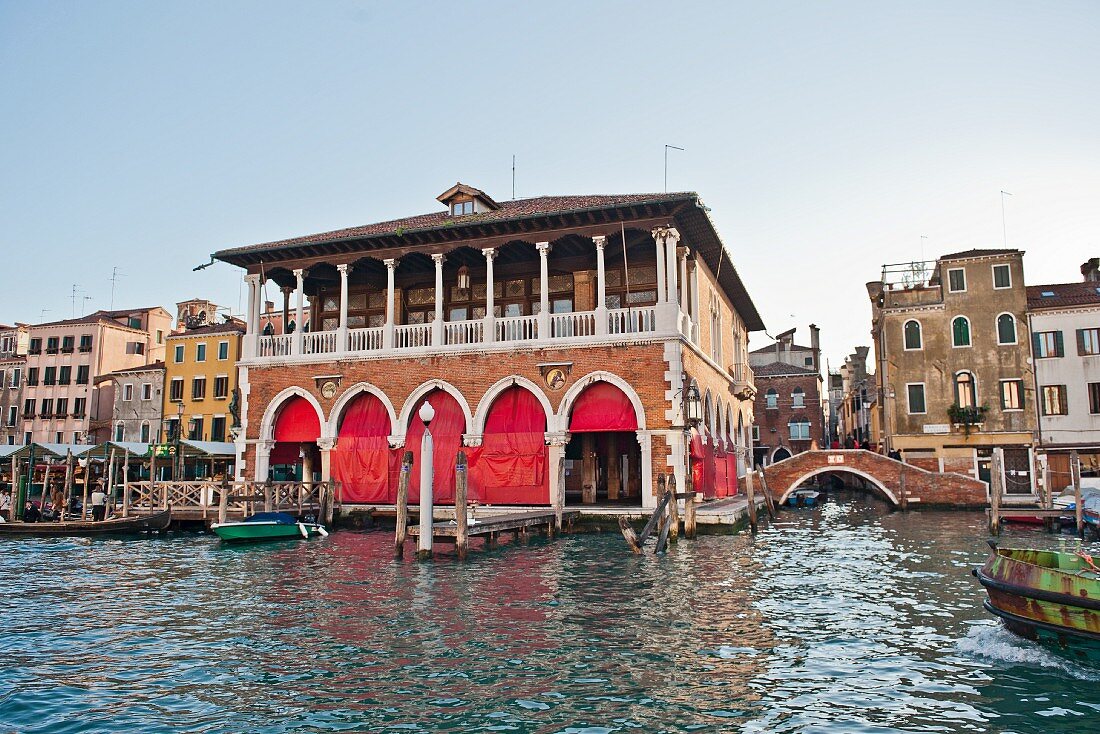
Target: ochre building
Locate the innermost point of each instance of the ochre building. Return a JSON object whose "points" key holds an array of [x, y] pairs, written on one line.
{"points": [[557, 339]]}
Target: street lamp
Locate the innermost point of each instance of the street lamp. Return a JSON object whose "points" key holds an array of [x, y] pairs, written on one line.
{"points": [[693, 405], [177, 464]]}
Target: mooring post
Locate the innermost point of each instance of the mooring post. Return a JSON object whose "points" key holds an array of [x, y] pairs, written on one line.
{"points": [[559, 499], [111, 478], [84, 493], [126, 483], [629, 534], [673, 511], [996, 479], [1075, 477], [903, 500], [1048, 498], [462, 538], [750, 494], [223, 501], [769, 501], [403, 504], [689, 507], [427, 476]]}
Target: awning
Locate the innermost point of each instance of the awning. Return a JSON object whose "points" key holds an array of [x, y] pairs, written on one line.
{"points": [[6, 451], [136, 448], [210, 449], [51, 450]]}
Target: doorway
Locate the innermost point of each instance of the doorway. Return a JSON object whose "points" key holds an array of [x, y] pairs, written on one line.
{"points": [[603, 468]]}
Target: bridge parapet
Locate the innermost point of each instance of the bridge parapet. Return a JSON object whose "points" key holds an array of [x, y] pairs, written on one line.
{"points": [[899, 483]]}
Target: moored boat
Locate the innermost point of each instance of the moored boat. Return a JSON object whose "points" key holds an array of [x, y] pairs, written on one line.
{"points": [[63, 528], [267, 526], [1041, 593]]}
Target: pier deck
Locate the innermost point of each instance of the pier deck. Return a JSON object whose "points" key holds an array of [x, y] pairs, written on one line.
{"points": [[492, 524]]}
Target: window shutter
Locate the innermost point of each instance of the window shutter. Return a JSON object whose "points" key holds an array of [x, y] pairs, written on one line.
{"points": [[1035, 344], [1080, 342], [1059, 347]]}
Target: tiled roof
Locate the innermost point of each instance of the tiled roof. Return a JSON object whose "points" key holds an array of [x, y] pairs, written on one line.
{"points": [[781, 369], [140, 368], [1061, 295], [100, 316], [978, 253], [229, 327], [509, 210], [771, 348]]}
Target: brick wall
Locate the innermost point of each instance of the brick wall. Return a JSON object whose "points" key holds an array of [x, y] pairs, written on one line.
{"points": [[774, 423]]}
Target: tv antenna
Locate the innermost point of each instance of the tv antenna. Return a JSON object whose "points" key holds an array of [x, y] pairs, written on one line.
{"points": [[513, 177], [1004, 227], [114, 281], [673, 147], [73, 296]]}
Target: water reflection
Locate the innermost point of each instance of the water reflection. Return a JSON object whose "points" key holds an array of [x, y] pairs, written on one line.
{"points": [[844, 618]]}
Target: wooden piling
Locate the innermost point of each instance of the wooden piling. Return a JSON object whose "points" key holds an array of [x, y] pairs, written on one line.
{"points": [[996, 489], [673, 511], [84, 481], [111, 480], [223, 501], [126, 483], [769, 501], [666, 522], [1048, 497], [1075, 477], [629, 534], [403, 504], [462, 537], [750, 494], [689, 507]]}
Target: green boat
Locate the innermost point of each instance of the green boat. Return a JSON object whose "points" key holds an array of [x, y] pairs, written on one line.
{"points": [[267, 526], [1042, 594]]}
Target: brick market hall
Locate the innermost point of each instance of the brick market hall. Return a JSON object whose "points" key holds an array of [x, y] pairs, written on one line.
{"points": [[574, 347]]}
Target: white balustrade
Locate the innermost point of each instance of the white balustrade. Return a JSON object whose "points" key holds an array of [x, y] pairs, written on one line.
{"points": [[319, 342], [517, 328], [463, 332], [577, 323], [364, 340], [631, 320], [276, 345], [408, 336]]}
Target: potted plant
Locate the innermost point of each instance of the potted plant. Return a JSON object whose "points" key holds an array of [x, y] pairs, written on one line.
{"points": [[968, 416]]}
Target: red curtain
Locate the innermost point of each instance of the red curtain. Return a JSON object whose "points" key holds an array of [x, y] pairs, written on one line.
{"points": [[698, 458], [602, 407], [731, 467], [297, 423], [721, 488], [510, 466], [362, 460], [708, 465], [447, 428]]}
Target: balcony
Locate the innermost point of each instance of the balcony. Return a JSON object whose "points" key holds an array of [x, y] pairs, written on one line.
{"points": [[574, 328]]}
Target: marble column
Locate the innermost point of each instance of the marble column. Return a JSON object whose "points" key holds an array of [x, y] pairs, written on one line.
{"points": [[437, 325], [544, 289], [600, 242], [387, 330]]}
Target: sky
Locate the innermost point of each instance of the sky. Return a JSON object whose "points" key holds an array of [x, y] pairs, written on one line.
{"points": [[826, 138]]}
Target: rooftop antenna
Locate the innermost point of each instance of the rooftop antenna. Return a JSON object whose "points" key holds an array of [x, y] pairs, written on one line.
{"points": [[1004, 227], [674, 147], [42, 313], [84, 302], [114, 280], [513, 177], [74, 300]]}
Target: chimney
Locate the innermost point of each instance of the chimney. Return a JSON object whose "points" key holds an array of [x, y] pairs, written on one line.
{"points": [[1090, 270], [815, 345]]}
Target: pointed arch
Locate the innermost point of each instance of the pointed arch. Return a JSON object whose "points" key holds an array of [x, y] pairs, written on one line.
{"points": [[349, 396], [477, 425], [411, 403]]}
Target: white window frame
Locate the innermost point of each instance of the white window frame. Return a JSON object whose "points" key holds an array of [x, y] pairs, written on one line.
{"points": [[796, 402], [145, 432], [973, 382], [924, 392], [993, 275], [13, 415], [171, 390], [200, 352], [920, 328], [1015, 329], [179, 353], [119, 434], [956, 270], [1001, 396], [969, 332], [767, 403], [146, 391], [756, 433], [220, 345], [128, 392]]}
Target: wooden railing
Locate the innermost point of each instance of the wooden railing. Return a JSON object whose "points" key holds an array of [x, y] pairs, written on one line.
{"points": [[221, 499]]}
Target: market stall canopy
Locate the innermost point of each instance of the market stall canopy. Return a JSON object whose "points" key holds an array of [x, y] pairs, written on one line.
{"points": [[7, 451], [52, 450], [210, 449], [136, 448]]}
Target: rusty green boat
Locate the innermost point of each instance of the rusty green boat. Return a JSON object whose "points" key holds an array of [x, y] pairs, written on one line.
{"points": [[1043, 594]]}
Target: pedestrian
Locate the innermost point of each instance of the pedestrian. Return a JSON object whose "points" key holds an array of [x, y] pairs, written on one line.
{"points": [[99, 502], [31, 513], [5, 504]]}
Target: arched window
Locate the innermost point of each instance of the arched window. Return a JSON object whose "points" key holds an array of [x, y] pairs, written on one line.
{"points": [[1006, 329], [120, 431], [269, 330], [965, 390], [145, 431], [290, 327], [912, 335], [798, 398], [960, 332], [772, 398]]}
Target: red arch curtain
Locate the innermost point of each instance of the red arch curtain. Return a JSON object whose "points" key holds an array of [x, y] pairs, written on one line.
{"points": [[510, 466], [447, 428], [721, 477], [732, 485], [297, 423], [362, 461], [602, 407]]}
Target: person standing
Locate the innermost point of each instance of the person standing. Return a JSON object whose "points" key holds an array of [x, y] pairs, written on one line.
{"points": [[99, 502]]}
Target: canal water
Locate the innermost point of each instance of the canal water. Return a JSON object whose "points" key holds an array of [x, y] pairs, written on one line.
{"points": [[847, 618]]}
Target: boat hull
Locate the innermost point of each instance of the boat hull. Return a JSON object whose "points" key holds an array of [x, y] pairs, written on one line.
{"points": [[80, 528], [254, 532], [1038, 592]]}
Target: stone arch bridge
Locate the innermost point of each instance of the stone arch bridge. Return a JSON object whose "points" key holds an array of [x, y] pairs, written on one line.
{"points": [[898, 483]]}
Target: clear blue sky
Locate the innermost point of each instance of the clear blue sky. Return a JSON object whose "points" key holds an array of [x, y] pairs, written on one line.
{"points": [[826, 138]]}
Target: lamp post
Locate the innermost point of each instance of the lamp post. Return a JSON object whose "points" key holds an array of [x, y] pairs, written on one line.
{"points": [[693, 416]]}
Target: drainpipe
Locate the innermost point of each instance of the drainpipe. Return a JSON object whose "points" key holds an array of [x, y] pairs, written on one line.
{"points": [[1034, 380]]}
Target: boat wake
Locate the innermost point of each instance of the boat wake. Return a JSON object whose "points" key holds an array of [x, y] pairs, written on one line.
{"points": [[994, 643]]}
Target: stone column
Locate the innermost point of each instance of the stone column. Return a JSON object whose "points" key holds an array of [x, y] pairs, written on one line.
{"points": [[646, 444], [342, 328], [693, 296], [286, 291], [555, 469], [490, 296], [264, 448], [251, 343], [326, 445], [685, 300], [296, 344], [659, 241], [677, 451], [387, 330], [437, 325], [544, 289], [601, 286]]}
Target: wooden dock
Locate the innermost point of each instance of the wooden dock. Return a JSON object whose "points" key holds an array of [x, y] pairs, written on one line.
{"points": [[490, 526]]}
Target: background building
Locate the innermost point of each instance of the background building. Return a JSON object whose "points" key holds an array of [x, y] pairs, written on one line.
{"points": [[858, 423], [790, 402], [138, 402], [201, 381], [1065, 326], [953, 352], [13, 363]]}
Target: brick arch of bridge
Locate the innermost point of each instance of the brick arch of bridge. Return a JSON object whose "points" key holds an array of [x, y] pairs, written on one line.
{"points": [[899, 483]]}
